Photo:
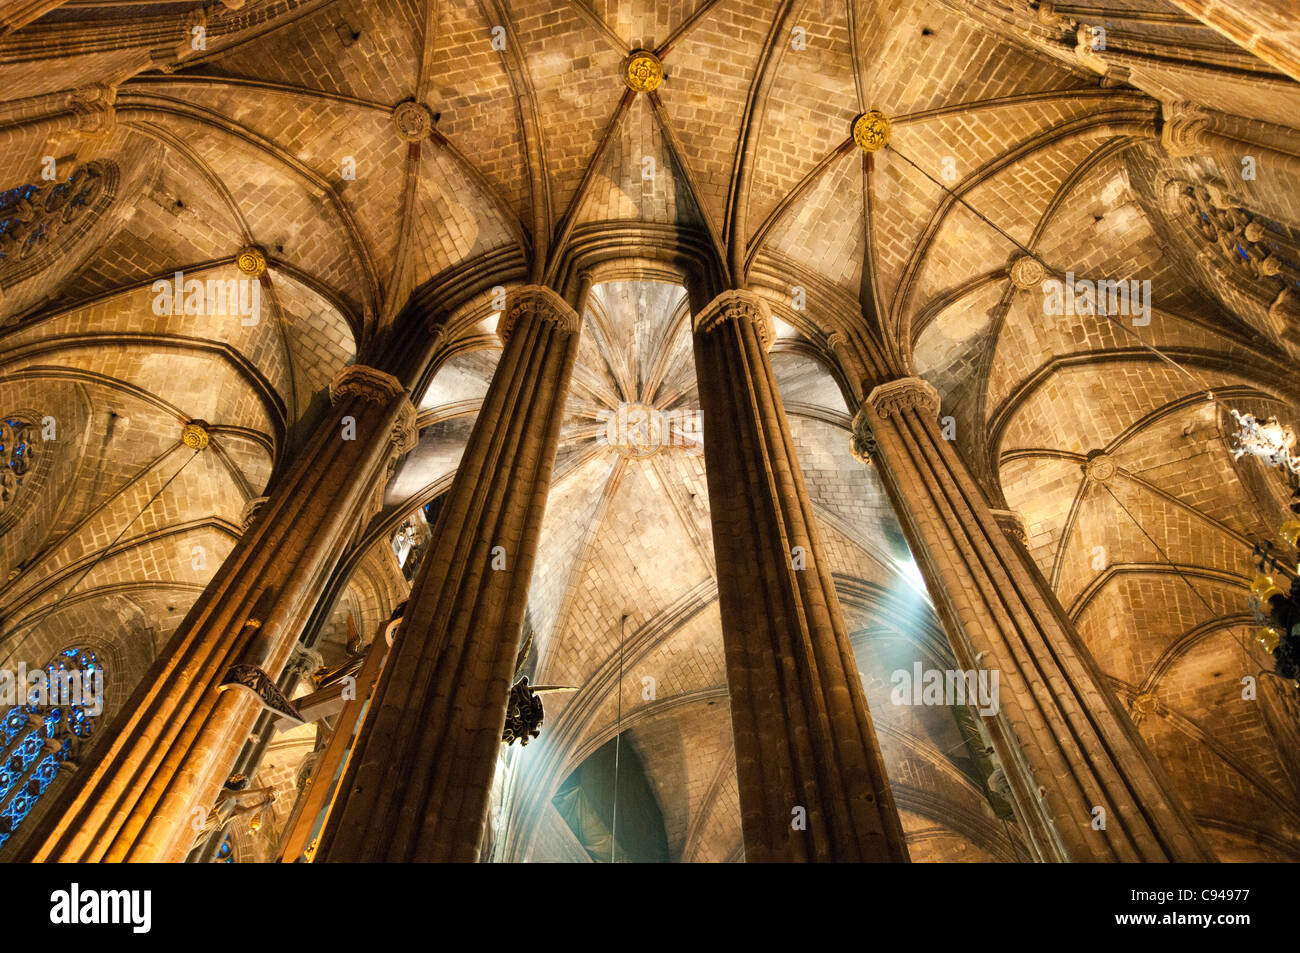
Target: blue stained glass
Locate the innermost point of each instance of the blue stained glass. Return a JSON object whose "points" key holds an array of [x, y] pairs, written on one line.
{"points": [[30, 761]]}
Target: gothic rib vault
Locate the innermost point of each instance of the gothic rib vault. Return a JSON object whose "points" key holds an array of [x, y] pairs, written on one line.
{"points": [[398, 165]]}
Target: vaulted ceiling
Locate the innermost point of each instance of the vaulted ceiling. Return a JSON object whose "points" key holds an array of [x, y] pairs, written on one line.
{"points": [[272, 126]]}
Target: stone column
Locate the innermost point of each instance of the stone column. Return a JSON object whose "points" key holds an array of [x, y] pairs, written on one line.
{"points": [[812, 782], [1066, 744], [417, 784], [169, 752]]}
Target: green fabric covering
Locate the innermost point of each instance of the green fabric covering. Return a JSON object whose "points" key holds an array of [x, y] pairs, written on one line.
{"points": [[586, 803]]}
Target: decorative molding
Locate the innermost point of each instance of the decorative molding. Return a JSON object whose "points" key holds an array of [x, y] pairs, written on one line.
{"points": [[871, 131], [906, 393], [737, 306], [412, 120], [643, 71], [1185, 129], [254, 681], [368, 383], [93, 107], [540, 302]]}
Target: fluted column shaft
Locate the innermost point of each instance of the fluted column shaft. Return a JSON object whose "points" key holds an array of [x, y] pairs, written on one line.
{"points": [[418, 781], [812, 781], [1066, 744], [168, 753]]}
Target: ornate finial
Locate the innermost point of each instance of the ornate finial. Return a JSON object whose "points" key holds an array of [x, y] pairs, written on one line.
{"points": [[251, 260], [643, 72], [871, 131], [1100, 468], [412, 120], [1027, 273], [195, 436]]}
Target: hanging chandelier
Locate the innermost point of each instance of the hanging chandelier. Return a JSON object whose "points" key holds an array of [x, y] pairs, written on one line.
{"points": [[1276, 600], [1270, 440]]}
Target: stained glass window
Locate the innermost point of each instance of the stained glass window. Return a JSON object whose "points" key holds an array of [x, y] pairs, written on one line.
{"points": [[226, 852], [47, 730]]}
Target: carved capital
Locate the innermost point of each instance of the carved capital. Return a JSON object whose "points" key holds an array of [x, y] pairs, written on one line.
{"points": [[303, 660], [906, 393], [862, 442], [737, 306], [539, 302], [405, 433], [250, 512], [368, 383], [1012, 523]]}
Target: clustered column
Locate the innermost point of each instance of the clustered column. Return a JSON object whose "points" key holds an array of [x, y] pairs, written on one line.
{"points": [[171, 749], [1084, 785], [812, 781], [417, 784]]}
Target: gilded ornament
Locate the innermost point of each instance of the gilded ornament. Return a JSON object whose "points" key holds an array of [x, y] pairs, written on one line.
{"points": [[195, 436], [1145, 704], [251, 260], [643, 72], [871, 131]]}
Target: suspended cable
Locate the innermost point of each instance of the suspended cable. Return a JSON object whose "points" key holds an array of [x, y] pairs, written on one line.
{"points": [[1172, 565], [107, 549], [1200, 384], [618, 738]]}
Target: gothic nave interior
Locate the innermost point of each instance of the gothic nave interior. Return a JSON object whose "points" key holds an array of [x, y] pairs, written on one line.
{"points": [[649, 430]]}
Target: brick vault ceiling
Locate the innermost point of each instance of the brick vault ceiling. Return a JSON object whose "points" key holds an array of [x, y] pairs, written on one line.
{"points": [[745, 148]]}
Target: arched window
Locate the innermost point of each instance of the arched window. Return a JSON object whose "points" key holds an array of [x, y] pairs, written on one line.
{"points": [[49, 729], [38, 221]]}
